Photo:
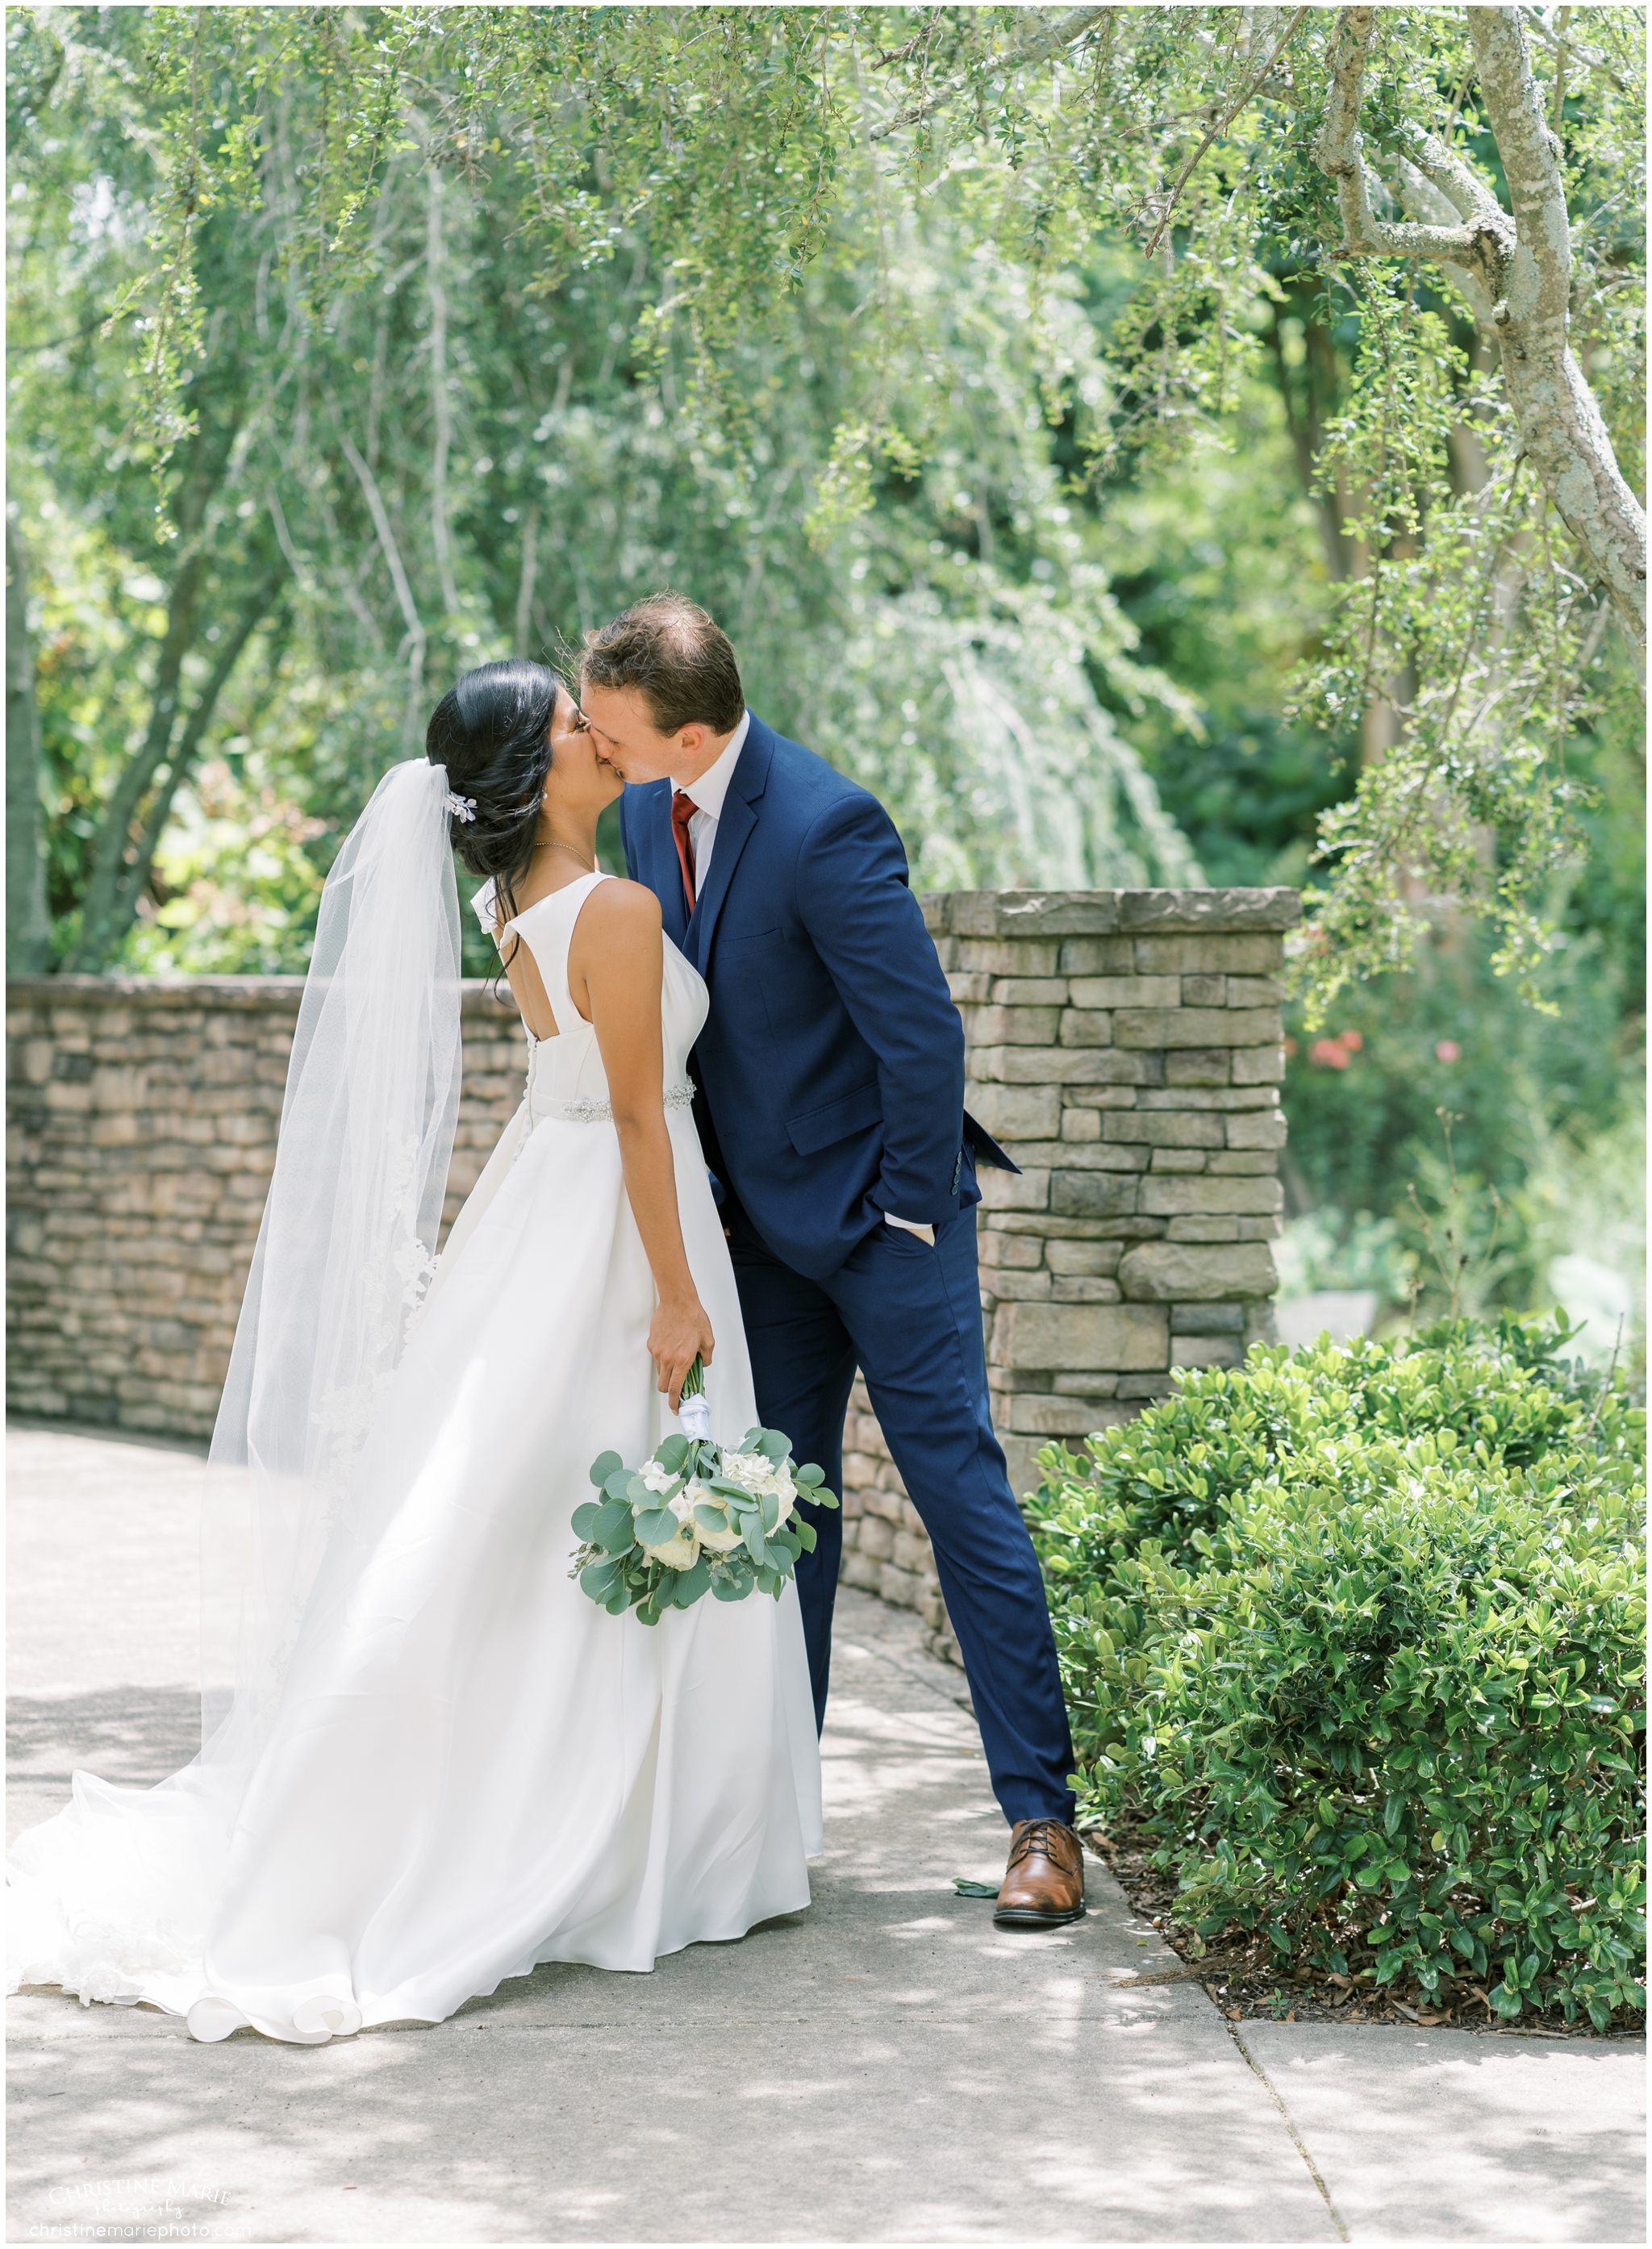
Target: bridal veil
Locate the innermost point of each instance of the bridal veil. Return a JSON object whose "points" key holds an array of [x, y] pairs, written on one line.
{"points": [[347, 1246]]}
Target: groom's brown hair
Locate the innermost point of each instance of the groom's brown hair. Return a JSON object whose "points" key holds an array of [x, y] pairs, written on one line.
{"points": [[678, 658]]}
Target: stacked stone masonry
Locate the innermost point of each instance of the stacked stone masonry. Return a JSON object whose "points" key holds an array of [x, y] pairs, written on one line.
{"points": [[141, 1118], [1125, 1047]]}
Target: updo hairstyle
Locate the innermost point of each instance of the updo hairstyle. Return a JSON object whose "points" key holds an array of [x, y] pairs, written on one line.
{"points": [[492, 731]]}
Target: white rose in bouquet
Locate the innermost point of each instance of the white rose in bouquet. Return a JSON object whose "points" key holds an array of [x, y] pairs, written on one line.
{"points": [[683, 1552], [759, 1474], [717, 1542]]}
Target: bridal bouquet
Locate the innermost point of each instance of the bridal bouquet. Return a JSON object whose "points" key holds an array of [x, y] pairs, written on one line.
{"points": [[695, 1519]]}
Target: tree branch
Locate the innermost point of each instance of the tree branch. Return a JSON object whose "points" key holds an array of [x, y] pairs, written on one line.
{"points": [[1338, 152], [525, 583], [1540, 279], [1560, 421], [440, 401], [135, 876], [1564, 45], [1037, 47], [98, 905], [1426, 201], [28, 922], [1466, 195], [392, 554], [1253, 85]]}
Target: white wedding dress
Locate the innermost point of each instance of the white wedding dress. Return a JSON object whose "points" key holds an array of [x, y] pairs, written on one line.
{"points": [[471, 1768]]}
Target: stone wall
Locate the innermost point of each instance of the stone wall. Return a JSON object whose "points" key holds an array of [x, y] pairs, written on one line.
{"points": [[1125, 1047], [141, 1125]]}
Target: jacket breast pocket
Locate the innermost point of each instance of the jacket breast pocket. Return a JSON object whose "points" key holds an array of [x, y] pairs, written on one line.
{"points": [[835, 1120], [743, 947]]}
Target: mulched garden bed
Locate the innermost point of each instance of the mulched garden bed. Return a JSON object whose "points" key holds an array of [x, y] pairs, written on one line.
{"points": [[1247, 1985]]}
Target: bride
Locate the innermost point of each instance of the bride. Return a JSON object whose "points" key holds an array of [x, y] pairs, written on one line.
{"points": [[429, 1762]]}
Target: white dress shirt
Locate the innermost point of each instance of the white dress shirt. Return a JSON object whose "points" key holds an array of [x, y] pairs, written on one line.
{"points": [[708, 792]]}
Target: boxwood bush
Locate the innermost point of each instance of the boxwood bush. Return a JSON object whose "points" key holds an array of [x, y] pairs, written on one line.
{"points": [[1357, 1636]]}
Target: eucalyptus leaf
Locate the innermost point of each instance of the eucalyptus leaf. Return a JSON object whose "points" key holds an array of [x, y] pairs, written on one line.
{"points": [[613, 1528], [691, 1584], [605, 1465]]}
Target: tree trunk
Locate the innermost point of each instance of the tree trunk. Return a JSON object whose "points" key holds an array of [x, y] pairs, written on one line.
{"points": [[92, 949], [28, 924], [1519, 267], [1553, 404], [117, 899]]}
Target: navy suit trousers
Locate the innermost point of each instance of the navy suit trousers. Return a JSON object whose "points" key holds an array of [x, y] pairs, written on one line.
{"points": [[909, 1316]]}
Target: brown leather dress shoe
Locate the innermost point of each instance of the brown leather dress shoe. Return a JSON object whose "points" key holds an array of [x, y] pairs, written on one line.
{"points": [[1044, 1885]]}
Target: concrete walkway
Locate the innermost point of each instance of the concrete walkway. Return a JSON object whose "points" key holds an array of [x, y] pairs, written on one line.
{"points": [[885, 2067]]}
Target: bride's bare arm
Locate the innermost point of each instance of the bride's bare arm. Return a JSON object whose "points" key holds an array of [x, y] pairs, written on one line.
{"points": [[615, 967]]}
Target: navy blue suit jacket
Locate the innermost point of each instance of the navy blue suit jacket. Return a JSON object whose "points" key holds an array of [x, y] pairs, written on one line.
{"points": [[831, 1067]]}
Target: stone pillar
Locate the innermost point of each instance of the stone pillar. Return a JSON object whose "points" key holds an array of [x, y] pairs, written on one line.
{"points": [[1125, 1047]]}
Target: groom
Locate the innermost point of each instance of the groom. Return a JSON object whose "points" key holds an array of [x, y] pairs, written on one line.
{"points": [[831, 1108]]}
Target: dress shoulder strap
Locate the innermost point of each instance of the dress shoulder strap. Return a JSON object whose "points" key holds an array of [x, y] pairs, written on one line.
{"points": [[547, 928]]}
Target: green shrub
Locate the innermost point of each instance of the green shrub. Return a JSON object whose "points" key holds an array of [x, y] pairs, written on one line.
{"points": [[1358, 1639]]}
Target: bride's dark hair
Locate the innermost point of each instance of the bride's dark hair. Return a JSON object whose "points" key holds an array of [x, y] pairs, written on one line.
{"points": [[492, 731]]}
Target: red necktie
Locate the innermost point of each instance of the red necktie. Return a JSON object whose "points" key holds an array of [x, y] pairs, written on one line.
{"points": [[682, 810]]}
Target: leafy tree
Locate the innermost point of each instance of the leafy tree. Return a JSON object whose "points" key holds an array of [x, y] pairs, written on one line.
{"points": [[768, 206], [218, 582], [452, 458]]}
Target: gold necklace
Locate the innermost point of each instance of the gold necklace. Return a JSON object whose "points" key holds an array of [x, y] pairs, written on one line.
{"points": [[572, 853]]}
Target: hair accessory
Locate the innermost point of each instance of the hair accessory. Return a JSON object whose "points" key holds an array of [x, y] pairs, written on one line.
{"points": [[459, 807]]}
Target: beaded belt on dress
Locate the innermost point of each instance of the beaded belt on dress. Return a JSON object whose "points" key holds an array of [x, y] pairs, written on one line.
{"points": [[587, 1112]]}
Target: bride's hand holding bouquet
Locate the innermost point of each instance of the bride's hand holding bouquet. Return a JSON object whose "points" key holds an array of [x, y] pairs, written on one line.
{"points": [[679, 1338]]}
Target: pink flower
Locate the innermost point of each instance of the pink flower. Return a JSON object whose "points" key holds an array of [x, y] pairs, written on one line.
{"points": [[1352, 1040], [1331, 1054], [1448, 1050]]}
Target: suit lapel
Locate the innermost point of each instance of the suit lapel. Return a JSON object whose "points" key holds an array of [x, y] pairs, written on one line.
{"points": [[656, 858], [734, 825]]}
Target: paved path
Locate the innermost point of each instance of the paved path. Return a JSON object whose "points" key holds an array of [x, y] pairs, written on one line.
{"points": [[885, 2067]]}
